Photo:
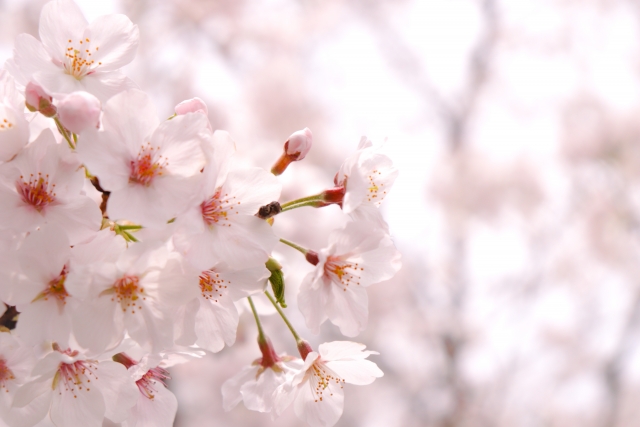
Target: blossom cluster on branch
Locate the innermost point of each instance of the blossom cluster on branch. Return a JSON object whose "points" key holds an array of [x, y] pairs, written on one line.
{"points": [[126, 242]]}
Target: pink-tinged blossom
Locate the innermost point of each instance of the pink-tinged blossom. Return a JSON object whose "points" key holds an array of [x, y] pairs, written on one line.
{"points": [[208, 314], [260, 385], [79, 111], [320, 398], [221, 225], [123, 295], [156, 405], [366, 177], [16, 362], [149, 167], [14, 129], [73, 55], [43, 185], [39, 292], [359, 255], [80, 390]]}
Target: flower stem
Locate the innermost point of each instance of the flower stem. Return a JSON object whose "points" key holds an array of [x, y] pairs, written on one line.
{"points": [[64, 133], [294, 246], [294, 203], [284, 317], [312, 203], [261, 336]]}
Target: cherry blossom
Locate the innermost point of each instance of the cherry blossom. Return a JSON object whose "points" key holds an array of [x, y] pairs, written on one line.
{"points": [[155, 405], [123, 296], [73, 55], [147, 166], [16, 362], [14, 129], [210, 318], [359, 255], [320, 382], [81, 390], [39, 292], [43, 185], [367, 177], [260, 385], [221, 226]]}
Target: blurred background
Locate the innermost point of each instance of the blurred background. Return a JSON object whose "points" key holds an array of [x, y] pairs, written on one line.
{"points": [[515, 128]]}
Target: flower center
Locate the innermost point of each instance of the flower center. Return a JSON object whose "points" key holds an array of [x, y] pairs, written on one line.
{"points": [[147, 383], [217, 209], [212, 286], [75, 377], [37, 191], [373, 192], [323, 379], [127, 292], [55, 288], [5, 374], [5, 124], [147, 165], [78, 62], [343, 272]]}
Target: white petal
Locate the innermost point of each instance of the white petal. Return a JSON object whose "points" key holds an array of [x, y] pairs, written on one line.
{"points": [[319, 413], [119, 390], [104, 85], [253, 188], [116, 38], [77, 408], [216, 324], [358, 372], [61, 21], [231, 395], [312, 302], [96, 324], [348, 309], [31, 57], [157, 412]]}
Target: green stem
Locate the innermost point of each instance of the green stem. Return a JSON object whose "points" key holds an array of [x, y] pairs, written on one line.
{"points": [[64, 133], [314, 198], [261, 337], [284, 317], [294, 246], [312, 203]]}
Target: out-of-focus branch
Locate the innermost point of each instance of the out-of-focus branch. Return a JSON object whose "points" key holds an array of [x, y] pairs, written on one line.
{"points": [[454, 113], [612, 369]]}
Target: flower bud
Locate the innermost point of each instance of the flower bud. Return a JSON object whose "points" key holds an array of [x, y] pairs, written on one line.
{"points": [[299, 144], [277, 280], [37, 99], [295, 148], [79, 111], [194, 105]]}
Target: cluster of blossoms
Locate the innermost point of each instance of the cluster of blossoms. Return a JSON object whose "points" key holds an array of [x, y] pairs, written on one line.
{"points": [[126, 241]]}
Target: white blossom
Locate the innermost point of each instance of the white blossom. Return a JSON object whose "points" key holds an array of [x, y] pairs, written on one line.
{"points": [[358, 256]]}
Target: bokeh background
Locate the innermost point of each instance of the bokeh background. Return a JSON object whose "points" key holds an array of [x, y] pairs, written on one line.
{"points": [[515, 126]]}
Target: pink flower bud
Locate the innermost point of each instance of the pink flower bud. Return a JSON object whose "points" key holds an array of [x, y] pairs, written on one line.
{"points": [[79, 111], [194, 105], [299, 143], [38, 100], [296, 147]]}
